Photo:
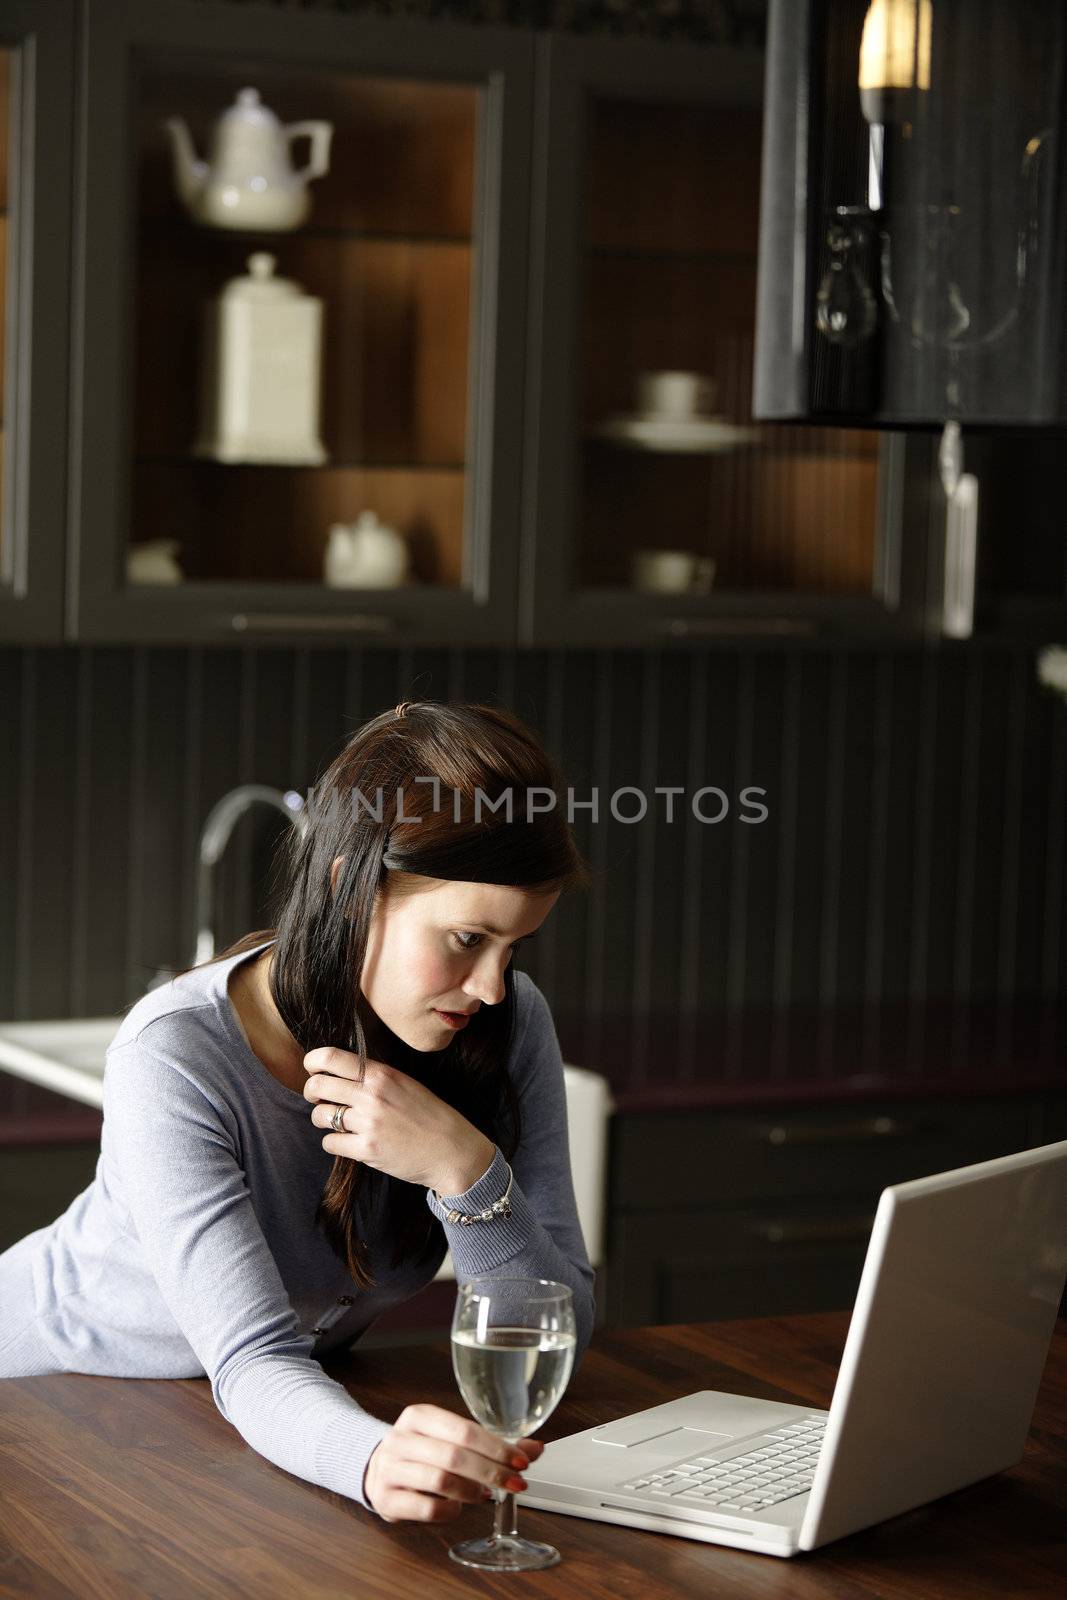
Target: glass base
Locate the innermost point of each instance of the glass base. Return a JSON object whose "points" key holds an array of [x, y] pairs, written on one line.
{"points": [[505, 1553]]}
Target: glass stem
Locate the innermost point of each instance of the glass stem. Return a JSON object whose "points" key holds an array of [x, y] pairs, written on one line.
{"points": [[504, 1515]]}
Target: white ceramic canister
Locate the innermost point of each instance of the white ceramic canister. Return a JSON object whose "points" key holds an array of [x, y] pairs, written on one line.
{"points": [[260, 370]]}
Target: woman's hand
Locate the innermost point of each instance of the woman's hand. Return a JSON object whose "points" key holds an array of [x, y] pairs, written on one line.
{"points": [[393, 1123], [433, 1462]]}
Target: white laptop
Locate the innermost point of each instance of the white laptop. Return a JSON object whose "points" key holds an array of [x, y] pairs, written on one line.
{"points": [[953, 1317]]}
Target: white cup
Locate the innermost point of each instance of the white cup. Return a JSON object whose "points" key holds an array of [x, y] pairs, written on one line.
{"points": [[672, 571], [675, 395]]}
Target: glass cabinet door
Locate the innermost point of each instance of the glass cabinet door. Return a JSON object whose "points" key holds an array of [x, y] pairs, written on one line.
{"points": [[673, 513], [35, 131], [325, 271]]}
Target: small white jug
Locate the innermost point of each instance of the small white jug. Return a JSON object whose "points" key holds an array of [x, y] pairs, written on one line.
{"points": [[365, 554]]}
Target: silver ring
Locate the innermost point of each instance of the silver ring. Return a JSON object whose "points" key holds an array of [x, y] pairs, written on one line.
{"points": [[337, 1121]]}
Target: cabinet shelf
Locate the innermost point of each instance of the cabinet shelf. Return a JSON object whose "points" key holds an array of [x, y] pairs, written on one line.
{"points": [[165, 458], [171, 223]]}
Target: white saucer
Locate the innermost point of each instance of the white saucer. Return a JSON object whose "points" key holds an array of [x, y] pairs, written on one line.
{"points": [[685, 435]]}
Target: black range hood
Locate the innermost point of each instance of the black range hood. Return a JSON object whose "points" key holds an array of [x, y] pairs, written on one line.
{"points": [[913, 230]]}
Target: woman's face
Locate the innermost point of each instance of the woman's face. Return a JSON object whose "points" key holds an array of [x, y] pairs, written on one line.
{"points": [[445, 949]]}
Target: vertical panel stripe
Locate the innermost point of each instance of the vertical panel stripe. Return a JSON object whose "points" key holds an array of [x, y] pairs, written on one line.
{"points": [[243, 835], [963, 930], [194, 808], [597, 953], [1008, 920], [137, 977], [553, 701], [28, 706], [925, 801], [298, 733], [829, 932], [1052, 919], [696, 762], [737, 951], [80, 911], [881, 792], [646, 866], [784, 932]]}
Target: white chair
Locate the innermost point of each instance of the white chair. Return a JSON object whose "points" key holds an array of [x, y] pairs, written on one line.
{"points": [[589, 1105]]}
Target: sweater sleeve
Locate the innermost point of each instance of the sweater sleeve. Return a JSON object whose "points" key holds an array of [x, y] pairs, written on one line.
{"points": [[543, 1237], [178, 1156]]}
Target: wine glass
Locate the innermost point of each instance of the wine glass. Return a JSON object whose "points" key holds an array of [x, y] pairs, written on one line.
{"points": [[513, 1343]]}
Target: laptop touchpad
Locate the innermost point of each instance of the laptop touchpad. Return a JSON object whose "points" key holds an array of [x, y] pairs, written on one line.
{"points": [[642, 1430]]}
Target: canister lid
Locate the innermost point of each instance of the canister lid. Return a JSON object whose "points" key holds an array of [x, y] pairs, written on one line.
{"points": [[260, 284]]}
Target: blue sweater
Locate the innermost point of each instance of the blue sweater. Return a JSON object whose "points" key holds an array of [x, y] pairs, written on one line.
{"points": [[194, 1251]]}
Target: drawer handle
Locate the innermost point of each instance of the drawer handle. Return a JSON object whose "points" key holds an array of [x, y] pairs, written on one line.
{"points": [[287, 622], [683, 626], [840, 1133], [813, 1232]]}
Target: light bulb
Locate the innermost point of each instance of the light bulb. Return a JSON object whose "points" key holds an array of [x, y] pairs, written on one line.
{"points": [[895, 52]]}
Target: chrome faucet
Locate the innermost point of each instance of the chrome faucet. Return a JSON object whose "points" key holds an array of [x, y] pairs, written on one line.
{"points": [[214, 837]]}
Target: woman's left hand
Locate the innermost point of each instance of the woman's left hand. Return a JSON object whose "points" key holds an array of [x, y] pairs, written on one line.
{"points": [[394, 1123]]}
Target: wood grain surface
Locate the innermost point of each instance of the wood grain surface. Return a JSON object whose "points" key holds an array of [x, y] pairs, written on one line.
{"points": [[114, 1488]]}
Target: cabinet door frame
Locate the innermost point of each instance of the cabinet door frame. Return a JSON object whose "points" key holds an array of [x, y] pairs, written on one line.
{"points": [[36, 346], [99, 604], [569, 72]]}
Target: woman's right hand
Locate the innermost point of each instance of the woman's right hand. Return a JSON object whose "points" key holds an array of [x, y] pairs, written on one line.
{"points": [[432, 1462]]}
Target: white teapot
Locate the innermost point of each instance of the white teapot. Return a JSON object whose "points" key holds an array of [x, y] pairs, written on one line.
{"points": [[250, 181], [365, 554]]}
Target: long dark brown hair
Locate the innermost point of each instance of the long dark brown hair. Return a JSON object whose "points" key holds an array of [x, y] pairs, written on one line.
{"points": [[394, 830]]}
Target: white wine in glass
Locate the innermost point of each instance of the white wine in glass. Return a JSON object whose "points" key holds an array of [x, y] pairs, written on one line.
{"points": [[513, 1342]]}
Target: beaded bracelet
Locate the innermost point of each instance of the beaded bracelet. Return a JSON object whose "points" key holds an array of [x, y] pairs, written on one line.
{"points": [[499, 1208]]}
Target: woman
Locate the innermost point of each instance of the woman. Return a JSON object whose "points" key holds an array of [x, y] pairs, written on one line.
{"points": [[287, 1151]]}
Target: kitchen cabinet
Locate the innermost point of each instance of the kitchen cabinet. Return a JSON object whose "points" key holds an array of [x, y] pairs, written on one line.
{"points": [[536, 259], [756, 1213], [646, 204], [35, 178], [910, 264], [416, 246]]}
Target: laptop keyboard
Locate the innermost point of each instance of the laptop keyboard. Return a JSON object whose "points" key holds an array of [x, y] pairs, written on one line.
{"points": [[779, 1468]]}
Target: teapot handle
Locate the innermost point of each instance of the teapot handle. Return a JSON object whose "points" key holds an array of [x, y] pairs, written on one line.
{"points": [[320, 134]]}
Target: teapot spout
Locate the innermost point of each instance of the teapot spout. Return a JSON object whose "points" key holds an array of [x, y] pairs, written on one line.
{"points": [[190, 173]]}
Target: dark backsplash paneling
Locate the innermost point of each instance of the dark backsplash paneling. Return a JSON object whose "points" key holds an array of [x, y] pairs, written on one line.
{"points": [[913, 854]]}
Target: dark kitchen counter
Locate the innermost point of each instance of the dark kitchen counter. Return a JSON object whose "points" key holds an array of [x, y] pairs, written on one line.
{"points": [[799, 1055]]}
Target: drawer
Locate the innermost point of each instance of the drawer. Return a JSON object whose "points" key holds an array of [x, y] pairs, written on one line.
{"points": [[661, 1160]]}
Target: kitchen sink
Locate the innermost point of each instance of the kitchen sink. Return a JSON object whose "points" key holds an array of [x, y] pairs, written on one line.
{"points": [[66, 1056]]}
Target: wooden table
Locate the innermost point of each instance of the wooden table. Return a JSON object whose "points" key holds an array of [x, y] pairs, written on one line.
{"points": [[116, 1488]]}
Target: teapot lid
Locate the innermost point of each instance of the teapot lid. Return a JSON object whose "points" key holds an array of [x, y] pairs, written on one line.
{"points": [[249, 110], [260, 284]]}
